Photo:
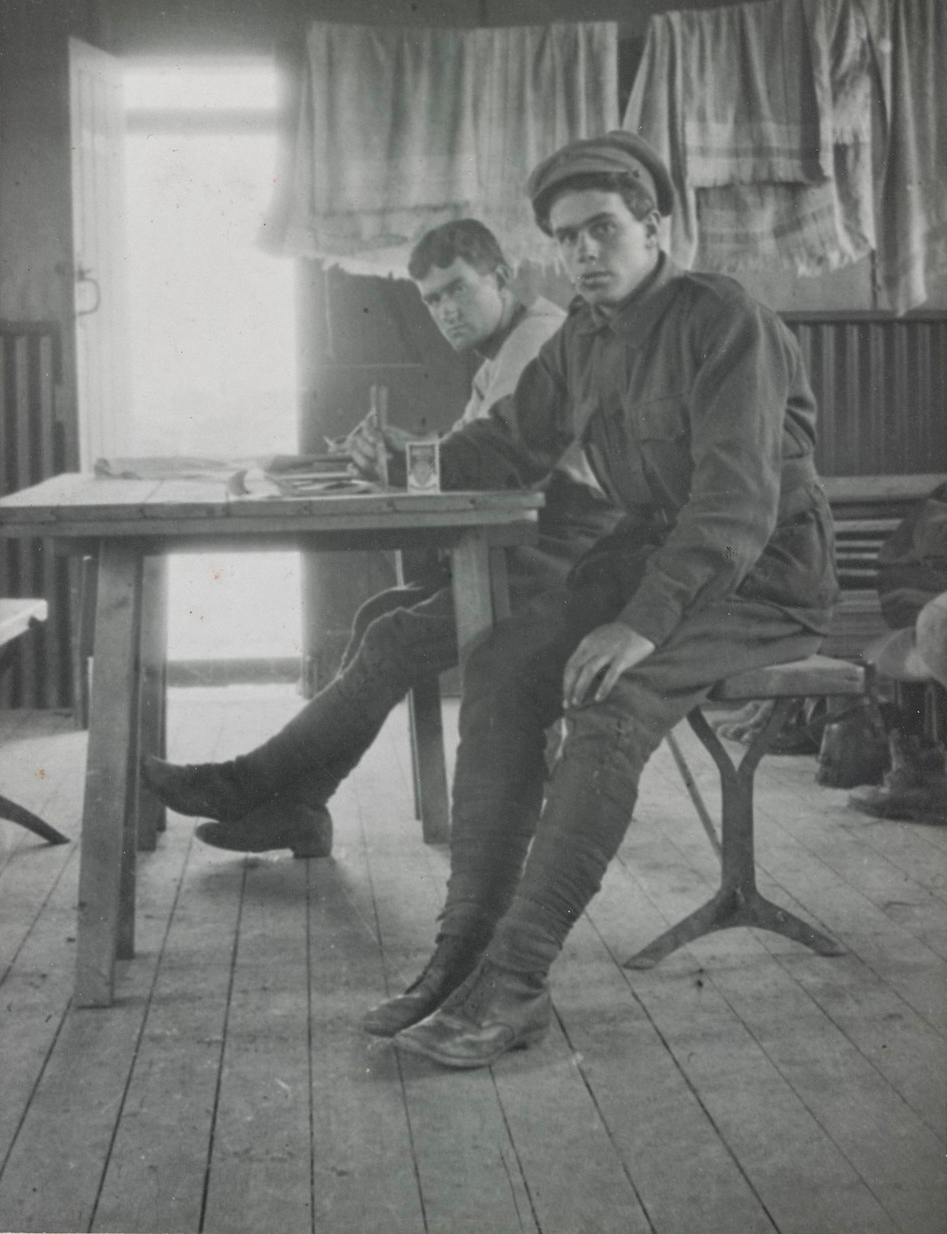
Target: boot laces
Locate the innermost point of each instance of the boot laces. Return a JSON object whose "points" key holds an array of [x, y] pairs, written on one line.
{"points": [[448, 952], [476, 990]]}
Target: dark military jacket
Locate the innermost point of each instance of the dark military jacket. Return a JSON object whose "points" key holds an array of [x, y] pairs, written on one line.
{"points": [[694, 408]]}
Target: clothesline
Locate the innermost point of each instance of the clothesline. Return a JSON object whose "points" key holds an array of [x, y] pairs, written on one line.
{"points": [[822, 142], [400, 129]]}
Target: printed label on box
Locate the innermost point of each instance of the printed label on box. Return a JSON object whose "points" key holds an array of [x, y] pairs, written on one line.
{"points": [[423, 466]]}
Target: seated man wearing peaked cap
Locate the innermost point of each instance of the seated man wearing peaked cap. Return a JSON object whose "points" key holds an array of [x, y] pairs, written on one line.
{"points": [[275, 796], [691, 403]]}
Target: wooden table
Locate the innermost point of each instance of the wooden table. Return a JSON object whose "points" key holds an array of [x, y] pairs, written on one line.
{"points": [[131, 525]]}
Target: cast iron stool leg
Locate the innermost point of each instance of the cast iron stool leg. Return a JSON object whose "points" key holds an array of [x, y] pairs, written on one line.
{"points": [[738, 902]]}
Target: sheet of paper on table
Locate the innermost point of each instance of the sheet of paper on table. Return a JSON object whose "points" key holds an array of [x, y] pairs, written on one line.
{"points": [[254, 482], [278, 475]]}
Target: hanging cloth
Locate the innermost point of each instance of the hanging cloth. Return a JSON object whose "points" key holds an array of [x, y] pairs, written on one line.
{"points": [[400, 129], [771, 157], [910, 43]]}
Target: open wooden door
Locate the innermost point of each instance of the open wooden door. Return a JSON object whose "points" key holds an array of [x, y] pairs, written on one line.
{"points": [[98, 133]]}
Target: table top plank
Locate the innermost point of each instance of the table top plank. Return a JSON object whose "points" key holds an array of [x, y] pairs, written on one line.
{"points": [[60, 498], [198, 498], [75, 505]]}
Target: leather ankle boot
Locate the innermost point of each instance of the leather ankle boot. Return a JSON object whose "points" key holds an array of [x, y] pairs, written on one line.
{"points": [[494, 1011], [453, 961], [305, 829], [206, 790], [914, 790]]}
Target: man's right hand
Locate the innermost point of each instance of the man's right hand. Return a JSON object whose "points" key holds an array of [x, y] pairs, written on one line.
{"points": [[366, 441]]}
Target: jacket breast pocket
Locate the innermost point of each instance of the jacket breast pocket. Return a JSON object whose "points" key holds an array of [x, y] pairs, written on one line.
{"points": [[661, 428], [659, 419]]}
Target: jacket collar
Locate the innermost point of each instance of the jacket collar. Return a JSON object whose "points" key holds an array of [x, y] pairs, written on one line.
{"points": [[489, 348], [637, 315]]}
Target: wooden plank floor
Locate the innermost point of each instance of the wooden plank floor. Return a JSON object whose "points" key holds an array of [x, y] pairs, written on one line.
{"points": [[744, 1086]]}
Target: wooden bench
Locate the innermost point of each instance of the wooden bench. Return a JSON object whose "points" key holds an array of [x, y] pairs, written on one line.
{"points": [[865, 510], [738, 902], [16, 617]]}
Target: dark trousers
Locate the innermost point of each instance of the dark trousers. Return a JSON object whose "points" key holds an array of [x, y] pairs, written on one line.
{"points": [[399, 637], [512, 693]]}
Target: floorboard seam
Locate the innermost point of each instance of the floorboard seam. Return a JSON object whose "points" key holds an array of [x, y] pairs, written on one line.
{"points": [[205, 1190], [851, 948], [23, 941], [34, 1087], [777, 957], [866, 1181], [519, 1163], [601, 1113], [406, 1106], [138, 1039], [718, 1131]]}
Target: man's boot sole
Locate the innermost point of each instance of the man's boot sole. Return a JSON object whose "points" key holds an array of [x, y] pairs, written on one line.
{"points": [[305, 847], [533, 1037]]}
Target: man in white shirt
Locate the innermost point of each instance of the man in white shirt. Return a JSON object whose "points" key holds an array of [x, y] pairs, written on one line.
{"points": [[275, 796]]}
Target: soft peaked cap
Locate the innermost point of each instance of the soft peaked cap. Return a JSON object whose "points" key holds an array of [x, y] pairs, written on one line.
{"points": [[616, 153]]}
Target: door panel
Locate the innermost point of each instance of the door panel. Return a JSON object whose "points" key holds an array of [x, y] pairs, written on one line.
{"points": [[97, 131]]}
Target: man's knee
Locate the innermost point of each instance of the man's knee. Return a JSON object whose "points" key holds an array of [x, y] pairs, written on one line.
{"points": [[607, 746], [416, 635]]}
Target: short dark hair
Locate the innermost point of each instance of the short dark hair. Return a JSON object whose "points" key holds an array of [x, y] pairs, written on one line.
{"points": [[635, 196], [465, 238]]}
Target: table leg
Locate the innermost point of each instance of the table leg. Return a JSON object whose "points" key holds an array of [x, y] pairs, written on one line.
{"points": [[84, 571], [154, 632], [107, 857], [430, 771]]}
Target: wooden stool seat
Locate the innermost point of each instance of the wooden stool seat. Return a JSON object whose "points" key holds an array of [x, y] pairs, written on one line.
{"points": [[738, 902]]}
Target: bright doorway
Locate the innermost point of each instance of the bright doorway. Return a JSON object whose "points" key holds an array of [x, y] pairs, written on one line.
{"points": [[212, 326]]}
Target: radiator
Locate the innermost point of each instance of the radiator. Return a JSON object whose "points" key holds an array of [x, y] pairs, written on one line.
{"points": [[33, 448]]}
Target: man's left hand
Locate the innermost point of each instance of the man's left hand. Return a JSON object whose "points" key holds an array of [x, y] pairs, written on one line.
{"points": [[606, 653]]}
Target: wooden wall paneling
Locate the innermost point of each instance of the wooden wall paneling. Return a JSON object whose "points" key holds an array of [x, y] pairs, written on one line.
{"points": [[881, 387], [849, 388], [54, 582]]}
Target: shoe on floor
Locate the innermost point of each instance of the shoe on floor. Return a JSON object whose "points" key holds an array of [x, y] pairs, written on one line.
{"points": [[914, 790], [304, 829], [204, 790], [912, 805], [452, 962], [493, 1012]]}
